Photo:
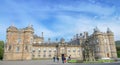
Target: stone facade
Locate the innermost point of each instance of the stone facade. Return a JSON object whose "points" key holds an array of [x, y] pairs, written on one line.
{"points": [[22, 44]]}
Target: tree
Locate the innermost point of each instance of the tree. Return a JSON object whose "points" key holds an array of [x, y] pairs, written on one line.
{"points": [[1, 49], [118, 48], [118, 52]]}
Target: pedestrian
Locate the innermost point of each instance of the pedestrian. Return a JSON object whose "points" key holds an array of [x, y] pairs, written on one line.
{"points": [[57, 59], [64, 60], [54, 59], [69, 58]]}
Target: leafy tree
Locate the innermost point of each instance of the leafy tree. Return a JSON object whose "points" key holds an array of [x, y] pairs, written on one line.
{"points": [[1, 49], [118, 48], [118, 53]]}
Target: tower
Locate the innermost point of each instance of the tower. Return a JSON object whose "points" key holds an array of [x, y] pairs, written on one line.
{"points": [[98, 36], [111, 43], [19, 43], [27, 43], [11, 44]]}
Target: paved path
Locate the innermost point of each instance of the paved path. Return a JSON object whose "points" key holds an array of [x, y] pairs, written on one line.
{"points": [[48, 62]]}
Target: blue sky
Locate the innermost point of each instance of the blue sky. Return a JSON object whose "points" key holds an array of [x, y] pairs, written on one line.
{"points": [[60, 18]]}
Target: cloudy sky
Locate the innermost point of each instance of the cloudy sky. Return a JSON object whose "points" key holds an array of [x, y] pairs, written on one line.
{"points": [[60, 18]]}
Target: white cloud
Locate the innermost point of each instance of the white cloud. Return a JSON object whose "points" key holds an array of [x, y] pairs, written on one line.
{"points": [[65, 25]]}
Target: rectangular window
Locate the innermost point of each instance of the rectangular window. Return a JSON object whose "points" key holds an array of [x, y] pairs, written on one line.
{"points": [[33, 55], [19, 40], [49, 50], [17, 49], [9, 47], [74, 50], [68, 50], [44, 55], [38, 55], [33, 50], [44, 51], [49, 55], [39, 51]]}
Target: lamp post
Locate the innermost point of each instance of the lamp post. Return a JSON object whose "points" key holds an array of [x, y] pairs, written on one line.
{"points": [[57, 49]]}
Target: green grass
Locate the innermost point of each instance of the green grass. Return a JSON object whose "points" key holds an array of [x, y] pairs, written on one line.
{"points": [[72, 61], [98, 61], [104, 61], [75, 61]]}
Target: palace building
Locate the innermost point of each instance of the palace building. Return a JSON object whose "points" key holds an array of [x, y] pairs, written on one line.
{"points": [[23, 44]]}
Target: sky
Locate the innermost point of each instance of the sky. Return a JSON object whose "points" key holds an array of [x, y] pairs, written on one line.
{"points": [[60, 18]]}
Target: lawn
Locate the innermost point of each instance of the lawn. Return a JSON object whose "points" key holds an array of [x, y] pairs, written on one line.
{"points": [[98, 61]]}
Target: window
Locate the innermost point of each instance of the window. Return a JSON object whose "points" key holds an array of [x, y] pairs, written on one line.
{"points": [[106, 50], [49, 55], [34, 42], [38, 55], [9, 47], [97, 40], [33, 50], [33, 55], [98, 49], [78, 50], [39, 50], [49, 50], [26, 47], [44, 55], [19, 40], [74, 50], [54, 50], [17, 49], [44, 51], [39, 42], [68, 50], [31, 40]]}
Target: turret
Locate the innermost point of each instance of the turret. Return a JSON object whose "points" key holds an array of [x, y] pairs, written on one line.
{"points": [[28, 34], [111, 43], [29, 29], [12, 32], [12, 29], [96, 30], [62, 40], [109, 32]]}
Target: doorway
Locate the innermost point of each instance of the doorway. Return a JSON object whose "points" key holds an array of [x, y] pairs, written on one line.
{"points": [[107, 54]]}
